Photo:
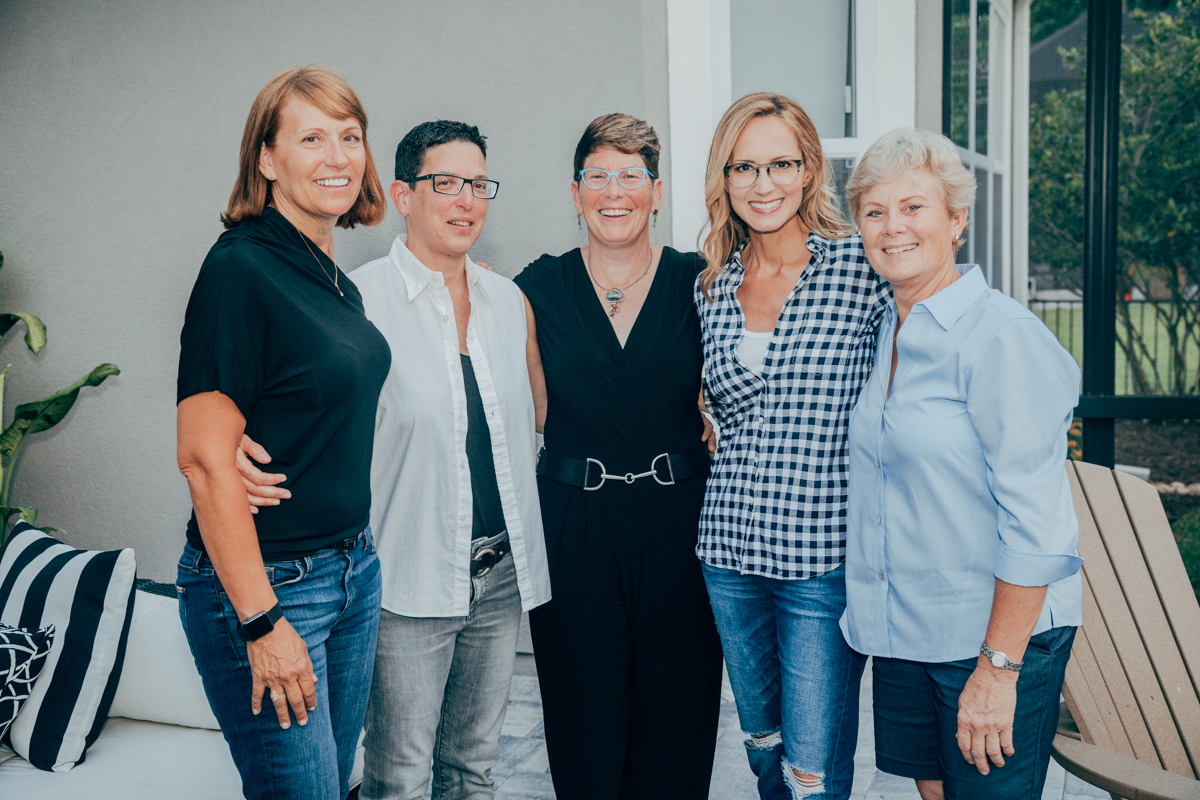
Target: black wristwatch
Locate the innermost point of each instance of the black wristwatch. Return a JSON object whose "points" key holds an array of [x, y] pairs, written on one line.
{"points": [[259, 625]]}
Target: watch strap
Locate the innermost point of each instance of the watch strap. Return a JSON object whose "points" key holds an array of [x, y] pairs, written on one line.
{"points": [[259, 625], [991, 654]]}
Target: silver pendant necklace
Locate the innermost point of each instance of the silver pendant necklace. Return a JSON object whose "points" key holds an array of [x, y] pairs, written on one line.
{"points": [[324, 271], [615, 295]]}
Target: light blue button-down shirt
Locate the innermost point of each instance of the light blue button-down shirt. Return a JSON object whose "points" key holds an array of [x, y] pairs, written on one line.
{"points": [[958, 477]]}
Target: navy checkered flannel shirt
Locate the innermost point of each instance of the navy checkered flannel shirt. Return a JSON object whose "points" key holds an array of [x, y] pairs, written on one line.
{"points": [[776, 498]]}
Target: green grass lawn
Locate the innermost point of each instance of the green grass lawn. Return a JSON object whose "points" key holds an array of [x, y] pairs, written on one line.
{"points": [[1067, 325]]}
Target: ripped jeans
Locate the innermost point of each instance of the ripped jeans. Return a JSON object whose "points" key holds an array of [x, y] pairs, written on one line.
{"points": [[795, 680]]}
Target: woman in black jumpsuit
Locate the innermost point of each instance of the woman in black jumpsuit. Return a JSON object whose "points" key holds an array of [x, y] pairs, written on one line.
{"points": [[627, 653]]}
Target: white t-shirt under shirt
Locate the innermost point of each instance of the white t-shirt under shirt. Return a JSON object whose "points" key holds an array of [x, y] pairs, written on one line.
{"points": [[752, 350]]}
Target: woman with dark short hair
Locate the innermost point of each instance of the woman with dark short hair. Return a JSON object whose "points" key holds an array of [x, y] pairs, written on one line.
{"points": [[275, 345], [627, 653]]}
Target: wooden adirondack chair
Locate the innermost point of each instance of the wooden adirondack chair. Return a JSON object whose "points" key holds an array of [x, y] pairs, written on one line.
{"points": [[1131, 683]]}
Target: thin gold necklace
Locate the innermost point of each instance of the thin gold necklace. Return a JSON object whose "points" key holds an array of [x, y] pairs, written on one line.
{"points": [[615, 295], [324, 271]]}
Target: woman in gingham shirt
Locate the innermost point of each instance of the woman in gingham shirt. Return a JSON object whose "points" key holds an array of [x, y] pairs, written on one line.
{"points": [[789, 308]]}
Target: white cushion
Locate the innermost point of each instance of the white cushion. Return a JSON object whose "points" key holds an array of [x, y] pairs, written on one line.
{"points": [[136, 760], [159, 682], [88, 597]]}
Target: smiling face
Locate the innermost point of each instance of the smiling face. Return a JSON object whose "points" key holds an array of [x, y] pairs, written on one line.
{"points": [[908, 232], [766, 207], [316, 166], [444, 225], [615, 215]]}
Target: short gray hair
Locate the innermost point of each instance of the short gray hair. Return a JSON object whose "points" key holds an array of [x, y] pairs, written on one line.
{"points": [[907, 150]]}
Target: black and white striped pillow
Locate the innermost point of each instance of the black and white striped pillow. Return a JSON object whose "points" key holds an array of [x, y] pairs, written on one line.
{"points": [[22, 655], [88, 596]]}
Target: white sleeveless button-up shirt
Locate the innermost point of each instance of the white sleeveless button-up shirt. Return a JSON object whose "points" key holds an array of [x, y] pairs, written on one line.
{"points": [[421, 503]]}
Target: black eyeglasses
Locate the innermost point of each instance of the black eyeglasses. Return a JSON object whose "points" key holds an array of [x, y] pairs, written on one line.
{"points": [[743, 174], [452, 184]]}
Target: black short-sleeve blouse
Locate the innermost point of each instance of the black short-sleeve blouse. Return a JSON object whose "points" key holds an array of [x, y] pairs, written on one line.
{"points": [[266, 327]]}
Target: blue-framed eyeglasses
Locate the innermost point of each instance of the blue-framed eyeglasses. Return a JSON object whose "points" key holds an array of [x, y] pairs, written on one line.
{"points": [[629, 178], [452, 184]]}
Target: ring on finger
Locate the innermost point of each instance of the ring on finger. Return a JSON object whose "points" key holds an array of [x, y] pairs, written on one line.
{"points": [[275, 696]]}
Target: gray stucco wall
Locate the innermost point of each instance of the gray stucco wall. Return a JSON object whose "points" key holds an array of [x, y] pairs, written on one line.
{"points": [[119, 130]]}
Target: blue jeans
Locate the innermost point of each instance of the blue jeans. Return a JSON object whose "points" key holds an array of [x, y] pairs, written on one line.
{"points": [[439, 695], [795, 680], [332, 600], [916, 720]]}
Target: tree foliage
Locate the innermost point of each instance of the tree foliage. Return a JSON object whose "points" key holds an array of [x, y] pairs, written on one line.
{"points": [[1158, 227]]}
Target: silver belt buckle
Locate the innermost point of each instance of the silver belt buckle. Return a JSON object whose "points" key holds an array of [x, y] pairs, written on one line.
{"points": [[670, 471], [588, 472], [487, 551]]}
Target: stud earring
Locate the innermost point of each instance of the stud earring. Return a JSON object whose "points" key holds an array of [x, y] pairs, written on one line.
{"points": [[655, 223], [579, 221], [954, 239]]}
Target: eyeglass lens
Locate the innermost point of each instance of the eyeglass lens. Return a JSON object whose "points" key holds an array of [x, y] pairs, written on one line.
{"points": [[629, 178], [743, 174], [452, 184]]}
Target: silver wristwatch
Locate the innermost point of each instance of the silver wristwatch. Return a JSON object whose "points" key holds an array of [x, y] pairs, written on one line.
{"points": [[997, 659]]}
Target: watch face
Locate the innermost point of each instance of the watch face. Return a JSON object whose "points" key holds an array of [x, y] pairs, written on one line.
{"points": [[998, 660]]}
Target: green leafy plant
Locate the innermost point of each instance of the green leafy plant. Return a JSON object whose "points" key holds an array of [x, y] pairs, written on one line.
{"points": [[35, 416]]}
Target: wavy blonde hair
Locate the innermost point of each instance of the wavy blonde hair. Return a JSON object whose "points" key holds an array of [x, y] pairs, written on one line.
{"points": [[727, 231]]}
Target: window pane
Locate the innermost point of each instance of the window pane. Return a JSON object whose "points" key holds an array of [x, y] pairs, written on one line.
{"points": [[798, 48], [1158, 178], [982, 19], [979, 222], [843, 168], [1056, 145], [960, 66]]}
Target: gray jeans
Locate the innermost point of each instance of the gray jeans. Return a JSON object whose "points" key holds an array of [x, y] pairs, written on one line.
{"points": [[439, 695]]}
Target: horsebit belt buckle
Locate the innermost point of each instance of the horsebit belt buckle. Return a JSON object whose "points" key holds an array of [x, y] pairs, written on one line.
{"points": [[629, 477]]}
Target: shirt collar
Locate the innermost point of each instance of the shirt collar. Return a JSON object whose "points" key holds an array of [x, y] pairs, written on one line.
{"points": [[817, 245], [417, 276], [948, 305]]}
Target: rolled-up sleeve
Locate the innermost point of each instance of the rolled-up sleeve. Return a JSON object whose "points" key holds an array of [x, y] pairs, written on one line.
{"points": [[1022, 391]]}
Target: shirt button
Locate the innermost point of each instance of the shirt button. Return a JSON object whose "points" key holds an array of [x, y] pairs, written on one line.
{"points": [[445, 317], [460, 415], [879, 520], [774, 340], [461, 465], [880, 576], [756, 459], [462, 517], [877, 464]]}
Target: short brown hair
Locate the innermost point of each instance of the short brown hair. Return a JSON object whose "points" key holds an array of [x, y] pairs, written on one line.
{"points": [[324, 89], [817, 210], [623, 133]]}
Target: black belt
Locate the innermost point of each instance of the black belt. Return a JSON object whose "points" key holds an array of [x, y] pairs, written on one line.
{"points": [[665, 468], [483, 561]]}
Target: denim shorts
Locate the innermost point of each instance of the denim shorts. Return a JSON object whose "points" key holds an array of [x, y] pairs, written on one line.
{"points": [[916, 720]]}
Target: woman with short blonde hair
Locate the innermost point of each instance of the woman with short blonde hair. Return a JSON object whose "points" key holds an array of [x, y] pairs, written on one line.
{"points": [[962, 573], [788, 307]]}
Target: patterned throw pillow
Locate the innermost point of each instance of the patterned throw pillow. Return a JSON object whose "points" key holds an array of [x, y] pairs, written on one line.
{"points": [[22, 655], [87, 595]]}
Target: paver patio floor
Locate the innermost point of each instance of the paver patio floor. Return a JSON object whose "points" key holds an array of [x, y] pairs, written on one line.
{"points": [[524, 773]]}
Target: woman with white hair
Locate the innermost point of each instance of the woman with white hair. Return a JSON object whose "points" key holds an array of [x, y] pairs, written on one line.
{"points": [[962, 576]]}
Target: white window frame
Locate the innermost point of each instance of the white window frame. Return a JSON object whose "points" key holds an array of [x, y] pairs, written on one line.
{"points": [[700, 85], [699, 91]]}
